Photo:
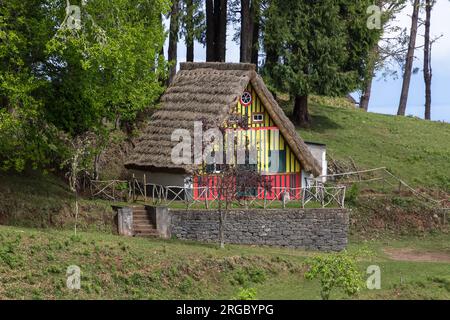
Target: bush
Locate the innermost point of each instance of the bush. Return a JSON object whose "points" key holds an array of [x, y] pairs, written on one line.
{"points": [[351, 195], [336, 270], [246, 294], [10, 253], [246, 276]]}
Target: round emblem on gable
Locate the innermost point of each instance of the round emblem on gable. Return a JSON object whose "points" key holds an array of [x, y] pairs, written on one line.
{"points": [[246, 98]]}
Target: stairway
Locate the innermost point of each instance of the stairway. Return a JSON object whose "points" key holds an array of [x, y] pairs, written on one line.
{"points": [[143, 225]]}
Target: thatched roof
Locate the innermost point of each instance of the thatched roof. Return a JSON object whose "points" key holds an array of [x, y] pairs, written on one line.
{"points": [[208, 92]]}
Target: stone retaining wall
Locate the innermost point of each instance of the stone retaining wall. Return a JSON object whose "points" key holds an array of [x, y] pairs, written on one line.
{"points": [[312, 229]]}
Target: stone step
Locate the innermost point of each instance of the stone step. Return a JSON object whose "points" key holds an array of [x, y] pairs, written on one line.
{"points": [[142, 220], [139, 212], [143, 227], [142, 224], [141, 216], [146, 235], [146, 232]]}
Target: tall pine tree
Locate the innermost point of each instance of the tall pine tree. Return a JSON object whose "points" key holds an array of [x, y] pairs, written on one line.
{"points": [[316, 47]]}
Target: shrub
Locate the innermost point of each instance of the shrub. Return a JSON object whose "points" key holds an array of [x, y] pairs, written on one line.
{"points": [[336, 270], [248, 275], [186, 285], [10, 254], [351, 195], [246, 294]]}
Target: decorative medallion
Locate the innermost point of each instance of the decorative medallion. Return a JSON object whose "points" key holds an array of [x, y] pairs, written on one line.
{"points": [[246, 99]]}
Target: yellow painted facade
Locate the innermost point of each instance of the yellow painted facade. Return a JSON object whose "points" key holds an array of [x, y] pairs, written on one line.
{"points": [[265, 135]]}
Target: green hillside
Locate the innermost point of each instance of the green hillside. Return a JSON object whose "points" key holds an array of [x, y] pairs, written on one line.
{"points": [[33, 262], [417, 151], [33, 265]]}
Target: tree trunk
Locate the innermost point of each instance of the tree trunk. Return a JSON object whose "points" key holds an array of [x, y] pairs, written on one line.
{"points": [[301, 113], [246, 32], [256, 12], [216, 30], [190, 31], [97, 166], [221, 31], [365, 98], [427, 70], [409, 60], [173, 40], [210, 31], [161, 78]]}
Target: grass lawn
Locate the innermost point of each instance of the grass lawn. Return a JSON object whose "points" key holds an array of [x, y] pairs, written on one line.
{"points": [[415, 150], [33, 265], [33, 262]]}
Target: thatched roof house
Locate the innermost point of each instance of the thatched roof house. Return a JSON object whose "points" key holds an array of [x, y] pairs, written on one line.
{"points": [[209, 91]]}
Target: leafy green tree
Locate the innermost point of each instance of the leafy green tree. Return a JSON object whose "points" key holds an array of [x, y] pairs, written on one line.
{"points": [[317, 47], [109, 68], [61, 72], [25, 138]]}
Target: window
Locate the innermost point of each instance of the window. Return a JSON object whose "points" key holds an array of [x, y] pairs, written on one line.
{"points": [[246, 99], [279, 167], [258, 118]]}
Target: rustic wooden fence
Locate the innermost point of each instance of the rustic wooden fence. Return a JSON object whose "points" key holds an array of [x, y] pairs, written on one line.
{"points": [[114, 190]]}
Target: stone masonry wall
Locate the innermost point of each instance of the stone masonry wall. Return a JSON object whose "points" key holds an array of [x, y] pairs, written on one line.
{"points": [[312, 229]]}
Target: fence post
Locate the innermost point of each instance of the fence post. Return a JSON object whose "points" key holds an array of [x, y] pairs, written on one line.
{"points": [[303, 191], [153, 194], [145, 188], [322, 197], [134, 188], [113, 188], [343, 196], [265, 196]]}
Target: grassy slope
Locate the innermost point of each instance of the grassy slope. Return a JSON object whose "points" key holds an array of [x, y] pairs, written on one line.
{"points": [[33, 265], [35, 200], [417, 151]]}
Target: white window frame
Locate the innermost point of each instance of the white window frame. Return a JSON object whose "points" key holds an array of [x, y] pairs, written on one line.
{"points": [[258, 115]]}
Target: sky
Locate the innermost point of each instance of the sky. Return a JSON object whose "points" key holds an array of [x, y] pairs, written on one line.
{"points": [[386, 92]]}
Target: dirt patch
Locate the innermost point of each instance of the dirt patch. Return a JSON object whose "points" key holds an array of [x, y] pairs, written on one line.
{"points": [[407, 254]]}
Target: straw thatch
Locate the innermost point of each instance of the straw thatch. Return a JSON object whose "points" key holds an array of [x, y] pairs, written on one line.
{"points": [[207, 92]]}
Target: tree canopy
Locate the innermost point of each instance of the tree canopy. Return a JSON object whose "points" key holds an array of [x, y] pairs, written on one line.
{"points": [[317, 47], [73, 69]]}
